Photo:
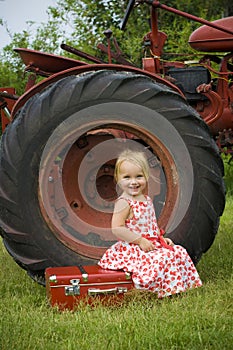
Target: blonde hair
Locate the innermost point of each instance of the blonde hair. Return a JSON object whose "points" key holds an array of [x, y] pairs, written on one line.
{"points": [[134, 157]]}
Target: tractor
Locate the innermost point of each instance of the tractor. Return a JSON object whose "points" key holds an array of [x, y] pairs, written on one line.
{"points": [[61, 139]]}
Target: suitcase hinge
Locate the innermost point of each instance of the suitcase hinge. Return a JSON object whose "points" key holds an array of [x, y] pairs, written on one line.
{"points": [[85, 277], [53, 279], [128, 275]]}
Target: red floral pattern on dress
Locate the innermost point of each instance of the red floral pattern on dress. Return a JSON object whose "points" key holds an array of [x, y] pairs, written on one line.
{"points": [[162, 270]]}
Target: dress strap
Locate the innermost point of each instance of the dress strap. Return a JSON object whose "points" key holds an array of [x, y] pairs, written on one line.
{"points": [[125, 199], [128, 200]]}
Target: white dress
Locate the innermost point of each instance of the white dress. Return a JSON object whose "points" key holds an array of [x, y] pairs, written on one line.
{"points": [[165, 270]]}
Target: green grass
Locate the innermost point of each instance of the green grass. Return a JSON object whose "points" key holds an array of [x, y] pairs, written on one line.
{"points": [[199, 319], [228, 168]]}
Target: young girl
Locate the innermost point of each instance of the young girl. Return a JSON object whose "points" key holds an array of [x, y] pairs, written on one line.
{"points": [[155, 262]]}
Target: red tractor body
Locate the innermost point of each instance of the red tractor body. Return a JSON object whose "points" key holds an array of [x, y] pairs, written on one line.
{"points": [[65, 132], [212, 98]]}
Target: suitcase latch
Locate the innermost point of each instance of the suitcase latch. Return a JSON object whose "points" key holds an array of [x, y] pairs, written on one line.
{"points": [[74, 289]]}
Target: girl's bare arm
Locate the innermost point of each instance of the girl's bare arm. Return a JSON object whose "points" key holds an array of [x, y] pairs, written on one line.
{"points": [[120, 214]]}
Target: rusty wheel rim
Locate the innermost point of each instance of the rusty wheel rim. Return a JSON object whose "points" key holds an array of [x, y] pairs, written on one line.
{"points": [[78, 208]]}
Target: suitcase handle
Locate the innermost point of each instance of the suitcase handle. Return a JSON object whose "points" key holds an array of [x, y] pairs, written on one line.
{"points": [[116, 290]]}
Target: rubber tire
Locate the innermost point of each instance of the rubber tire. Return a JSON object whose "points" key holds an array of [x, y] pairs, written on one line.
{"points": [[26, 234]]}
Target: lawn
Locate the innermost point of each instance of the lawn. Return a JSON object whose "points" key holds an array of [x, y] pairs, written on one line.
{"points": [[199, 319]]}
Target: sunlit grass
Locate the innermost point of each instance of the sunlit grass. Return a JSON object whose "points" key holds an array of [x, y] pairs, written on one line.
{"points": [[199, 319]]}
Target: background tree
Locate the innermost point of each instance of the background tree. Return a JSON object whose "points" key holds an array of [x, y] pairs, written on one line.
{"points": [[81, 24]]}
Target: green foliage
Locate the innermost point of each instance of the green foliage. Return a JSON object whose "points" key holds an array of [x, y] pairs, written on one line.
{"points": [[11, 69], [81, 24], [199, 319], [228, 168]]}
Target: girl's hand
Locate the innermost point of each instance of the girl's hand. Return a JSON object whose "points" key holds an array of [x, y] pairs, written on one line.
{"points": [[169, 241], [145, 244]]}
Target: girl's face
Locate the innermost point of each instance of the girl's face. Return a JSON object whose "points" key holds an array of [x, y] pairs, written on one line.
{"points": [[131, 179]]}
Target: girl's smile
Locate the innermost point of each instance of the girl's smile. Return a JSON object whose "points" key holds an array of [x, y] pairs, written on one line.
{"points": [[131, 179]]}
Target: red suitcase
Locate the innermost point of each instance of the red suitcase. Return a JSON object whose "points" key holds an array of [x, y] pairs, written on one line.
{"points": [[67, 286]]}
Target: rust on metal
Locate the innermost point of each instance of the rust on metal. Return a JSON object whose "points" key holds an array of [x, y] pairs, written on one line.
{"points": [[71, 208], [47, 62]]}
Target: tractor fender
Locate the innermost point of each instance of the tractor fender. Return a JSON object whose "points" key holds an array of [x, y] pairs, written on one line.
{"points": [[85, 69]]}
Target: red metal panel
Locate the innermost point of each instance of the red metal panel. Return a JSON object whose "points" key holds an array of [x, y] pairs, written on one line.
{"points": [[210, 39], [47, 62], [10, 103]]}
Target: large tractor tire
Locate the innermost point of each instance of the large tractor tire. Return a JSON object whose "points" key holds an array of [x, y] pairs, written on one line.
{"points": [[57, 162]]}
